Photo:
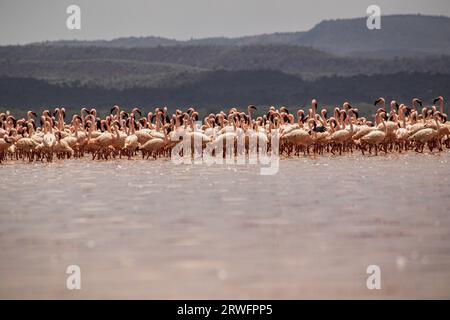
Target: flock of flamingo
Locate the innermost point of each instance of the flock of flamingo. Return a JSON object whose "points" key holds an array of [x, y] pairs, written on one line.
{"points": [[127, 134]]}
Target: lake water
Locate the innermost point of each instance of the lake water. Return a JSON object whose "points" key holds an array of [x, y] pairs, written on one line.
{"points": [[152, 229]]}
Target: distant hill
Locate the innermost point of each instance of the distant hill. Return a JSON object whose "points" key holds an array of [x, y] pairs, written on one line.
{"points": [[337, 60], [121, 68], [217, 90], [125, 42], [400, 35], [279, 38], [108, 73], [282, 38]]}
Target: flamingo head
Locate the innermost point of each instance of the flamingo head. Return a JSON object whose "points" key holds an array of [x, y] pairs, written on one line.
{"points": [[407, 111], [378, 101], [77, 118], [124, 114], [418, 101], [291, 118], [440, 99], [284, 109], [393, 104], [31, 121], [433, 109], [115, 109], [136, 110], [116, 124], [8, 139], [333, 123], [380, 110], [301, 115], [88, 124]]}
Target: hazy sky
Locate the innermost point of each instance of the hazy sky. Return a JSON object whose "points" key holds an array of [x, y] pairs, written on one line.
{"points": [[23, 21]]}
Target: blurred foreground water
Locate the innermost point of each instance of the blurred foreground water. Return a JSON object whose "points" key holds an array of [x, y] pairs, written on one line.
{"points": [[152, 229]]}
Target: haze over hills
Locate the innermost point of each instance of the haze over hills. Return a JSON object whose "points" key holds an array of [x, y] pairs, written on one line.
{"points": [[149, 67], [334, 61], [400, 35]]}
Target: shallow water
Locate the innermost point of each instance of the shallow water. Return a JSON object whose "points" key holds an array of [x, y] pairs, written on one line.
{"points": [[152, 229]]}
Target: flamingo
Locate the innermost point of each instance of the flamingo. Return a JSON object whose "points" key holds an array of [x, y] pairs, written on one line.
{"points": [[153, 146], [375, 137], [49, 140], [341, 135], [425, 136], [402, 134], [441, 103], [27, 145], [5, 142], [298, 137], [120, 132], [132, 140], [102, 144]]}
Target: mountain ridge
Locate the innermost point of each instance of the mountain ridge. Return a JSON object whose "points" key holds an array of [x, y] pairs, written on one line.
{"points": [[400, 35], [223, 89], [125, 67]]}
